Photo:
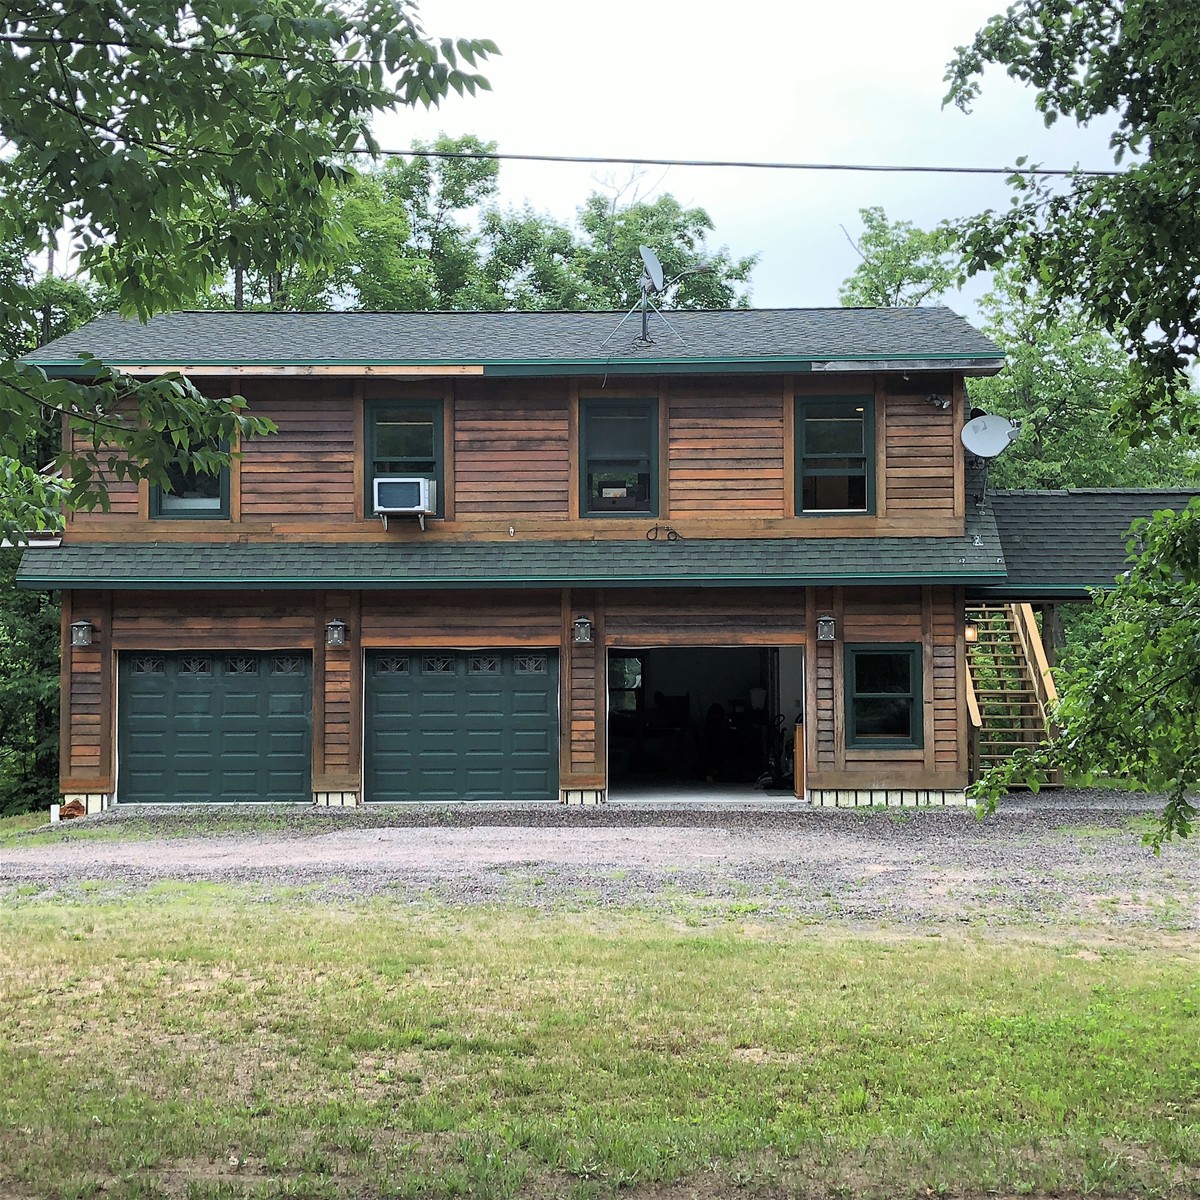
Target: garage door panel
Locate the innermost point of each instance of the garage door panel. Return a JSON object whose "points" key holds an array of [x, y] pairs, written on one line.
{"points": [[222, 727], [469, 721]]}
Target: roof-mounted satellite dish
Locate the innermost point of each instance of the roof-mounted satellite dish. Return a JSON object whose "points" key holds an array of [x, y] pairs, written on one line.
{"points": [[989, 435], [654, 270]]}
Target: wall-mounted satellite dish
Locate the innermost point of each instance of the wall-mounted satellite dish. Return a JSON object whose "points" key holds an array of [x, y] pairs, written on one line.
{"points": [[654, 270], [989, 435]]}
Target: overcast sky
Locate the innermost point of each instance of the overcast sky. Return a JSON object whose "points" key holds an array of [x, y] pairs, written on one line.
{"points": [[859, 81]]}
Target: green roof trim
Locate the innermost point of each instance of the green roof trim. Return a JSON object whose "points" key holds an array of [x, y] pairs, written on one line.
{"points": [[718, 562]]}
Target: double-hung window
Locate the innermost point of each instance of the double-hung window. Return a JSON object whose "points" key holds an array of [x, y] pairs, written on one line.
{"points": [[835, 454], [883, 696], [404, 441], [620, 457], [189, 494]]}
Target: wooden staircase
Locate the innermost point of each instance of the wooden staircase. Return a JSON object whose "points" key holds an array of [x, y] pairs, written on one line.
{"points": [[1010, 691]]}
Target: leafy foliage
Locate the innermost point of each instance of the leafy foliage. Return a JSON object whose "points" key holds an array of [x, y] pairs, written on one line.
{"points": [[902, 265], [29, 635], [427, 234], [1122, 248], [1130, 711], [1121, 251], [161, 144]]}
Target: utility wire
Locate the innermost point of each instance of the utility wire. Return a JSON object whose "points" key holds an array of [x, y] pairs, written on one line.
{"points": [[739, 164]]}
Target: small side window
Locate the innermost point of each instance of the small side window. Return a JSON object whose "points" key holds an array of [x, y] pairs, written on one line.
{"points": [[883, 696], [191, 495], [620, 458], [835, 455]]}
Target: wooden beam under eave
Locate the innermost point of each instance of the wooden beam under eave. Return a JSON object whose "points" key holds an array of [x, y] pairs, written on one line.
{"points": [[349, 369]]}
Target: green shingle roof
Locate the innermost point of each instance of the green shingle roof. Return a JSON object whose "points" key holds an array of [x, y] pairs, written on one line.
{"points": [[718, 562], [510, 343], [1059, 544]]}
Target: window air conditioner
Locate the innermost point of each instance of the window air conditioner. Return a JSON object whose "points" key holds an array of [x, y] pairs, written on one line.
{"points": [[395, 496]]}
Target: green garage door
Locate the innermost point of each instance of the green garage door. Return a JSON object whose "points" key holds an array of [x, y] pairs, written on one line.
{"points": [[222, 726], [462, 725]]}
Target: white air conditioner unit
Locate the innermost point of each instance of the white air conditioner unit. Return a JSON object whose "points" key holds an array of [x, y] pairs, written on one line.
{"points": [[397, 496]]}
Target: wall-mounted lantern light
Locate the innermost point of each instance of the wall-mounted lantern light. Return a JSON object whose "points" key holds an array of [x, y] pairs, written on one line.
{"points": [[826, 629], [81, 633], [971, 632], [583, 631], [335, 633]]}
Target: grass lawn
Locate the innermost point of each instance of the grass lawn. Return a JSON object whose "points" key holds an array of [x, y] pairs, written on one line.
{"points": [[196, 1043]]}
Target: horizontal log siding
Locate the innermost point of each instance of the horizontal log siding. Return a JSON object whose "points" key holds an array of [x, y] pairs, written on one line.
{"points": [[306, 470], [439, 620], [716, 617], [888, 615], [947, 712], [919, 450], [87, 707], [213, 620], [725, 451], [512, 451], [341, 687], [122, 493]]}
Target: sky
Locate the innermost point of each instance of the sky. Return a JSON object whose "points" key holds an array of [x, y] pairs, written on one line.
{"points": [[860, 81]]}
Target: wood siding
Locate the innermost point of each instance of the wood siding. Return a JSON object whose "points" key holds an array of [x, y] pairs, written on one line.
{"points": [[928, 617], [920, 449], [305, 472], [713, 617], [461, 620], [512, 450], [512, 457], [725, 450]]}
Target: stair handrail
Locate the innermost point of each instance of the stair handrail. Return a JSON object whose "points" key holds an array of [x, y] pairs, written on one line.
{"points": [[974, 726], [1035, 655]]}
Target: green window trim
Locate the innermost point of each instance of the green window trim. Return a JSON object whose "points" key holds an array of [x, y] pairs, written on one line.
{"points": [[869, 708], [166, 506], [426, 460], [619, 470], [826, 472]]}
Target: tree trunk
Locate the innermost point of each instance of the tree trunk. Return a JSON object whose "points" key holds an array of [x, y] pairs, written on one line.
{"points": [[1052, 633]]}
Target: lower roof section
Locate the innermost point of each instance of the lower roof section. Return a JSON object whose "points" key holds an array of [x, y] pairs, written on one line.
{"points": [[1060, 545], [716, 562]]}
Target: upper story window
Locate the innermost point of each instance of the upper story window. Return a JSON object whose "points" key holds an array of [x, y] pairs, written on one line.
{"points": [[189, 494], [835, 455], [883, 696], [620, 457], [404, 439]]}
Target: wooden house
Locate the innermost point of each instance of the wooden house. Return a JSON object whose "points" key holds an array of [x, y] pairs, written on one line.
{"points": [[532, 556]]}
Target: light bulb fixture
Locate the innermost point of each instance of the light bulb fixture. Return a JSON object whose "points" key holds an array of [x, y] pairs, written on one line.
{"points": [[826, 629], [971, 632], [81, 633], [335, 633], [583, 631]]}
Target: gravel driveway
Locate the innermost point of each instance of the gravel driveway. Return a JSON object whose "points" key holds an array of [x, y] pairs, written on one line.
{"points": [[1065, 857]]}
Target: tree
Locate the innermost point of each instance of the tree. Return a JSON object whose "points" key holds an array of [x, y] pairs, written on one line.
{"points": [[901, 265], [428, 234], [1123, 248], [160, 143]]}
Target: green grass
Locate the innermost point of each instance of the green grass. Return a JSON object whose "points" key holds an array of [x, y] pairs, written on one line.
{"points": [[207, 1046]]}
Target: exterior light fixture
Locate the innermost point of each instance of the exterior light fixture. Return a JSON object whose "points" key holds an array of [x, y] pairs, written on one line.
{"points": [[335, 633], [583, 631], [81, 633], [971, 632], [826, 629]]}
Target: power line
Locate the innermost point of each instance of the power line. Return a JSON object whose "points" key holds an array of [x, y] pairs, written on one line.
{"points": [[739, 164]]}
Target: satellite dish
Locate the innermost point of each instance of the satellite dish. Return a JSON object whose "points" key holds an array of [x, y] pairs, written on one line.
{"points": [[654, 271], [989, 435]]}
